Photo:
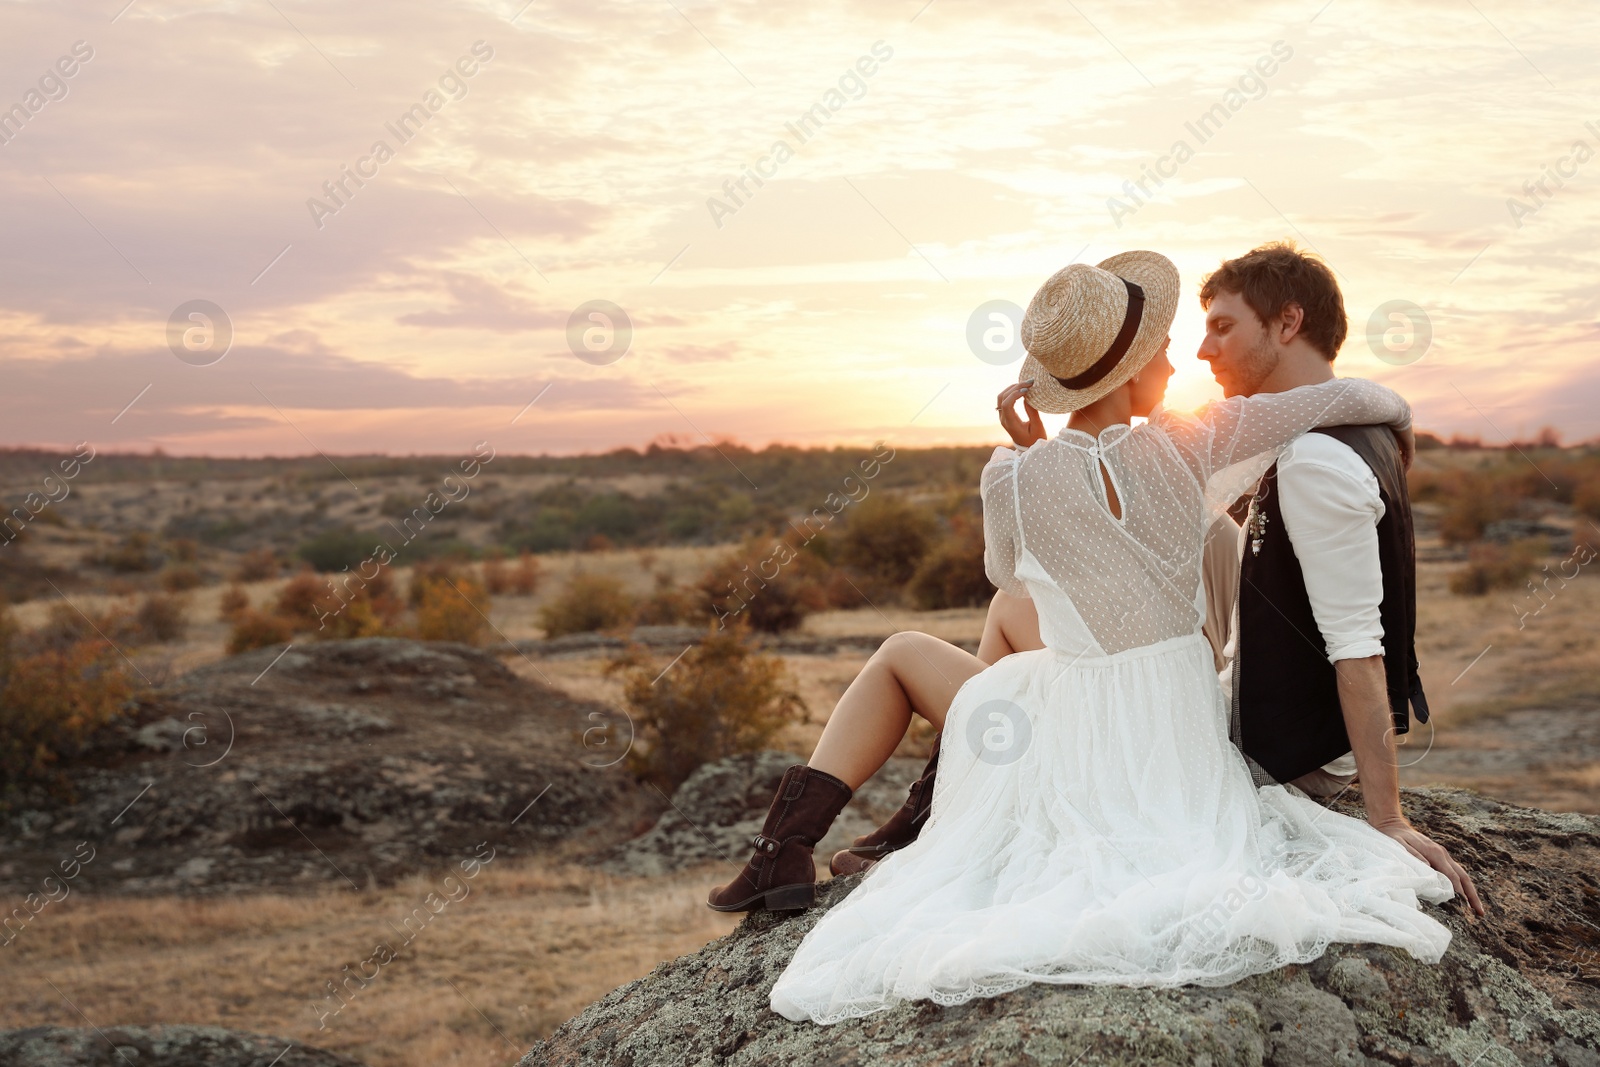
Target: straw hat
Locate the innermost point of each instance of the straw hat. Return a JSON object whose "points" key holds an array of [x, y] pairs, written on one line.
{"points": [[1089, 329]]}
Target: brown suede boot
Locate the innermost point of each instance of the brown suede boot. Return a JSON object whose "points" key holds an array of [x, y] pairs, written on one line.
{"points": [[781, 875], [901, 829]]}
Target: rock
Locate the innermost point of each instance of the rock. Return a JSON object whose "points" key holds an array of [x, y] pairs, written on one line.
{"points": [[157, 1046], [1521, 986], [674, 638], [350, 763], [1307, 1027], [1504, 531], [719, 807], [1357, 982], [163, 735]]}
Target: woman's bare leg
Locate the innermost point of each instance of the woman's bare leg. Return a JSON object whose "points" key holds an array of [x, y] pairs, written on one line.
{"points": [[1012, 625], [911, 673]]}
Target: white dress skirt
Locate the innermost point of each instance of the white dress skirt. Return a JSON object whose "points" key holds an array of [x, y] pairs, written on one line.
{"points": [[1091, 822]]}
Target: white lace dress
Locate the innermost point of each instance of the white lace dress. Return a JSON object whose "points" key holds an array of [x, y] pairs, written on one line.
{"points": [[1091, 822]]}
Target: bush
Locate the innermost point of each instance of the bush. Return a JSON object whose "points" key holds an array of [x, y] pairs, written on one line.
{"points": [[589, 602], [1492, 566], [952, 575], [134, 553], [336, 549], [737, 588], [303, 601], [885, 539], [428, 572], [162, 617], [495, 578], [258, 629], [180, 577], [257, 565], [668, 603], [52, 697], [234, 600], [722, 698], [523, 579], [346, 606], [452, 610], [1586, 498]]}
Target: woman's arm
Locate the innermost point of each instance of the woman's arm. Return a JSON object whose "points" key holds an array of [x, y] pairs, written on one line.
{"points": [[1241, 427], [1000, 535]]}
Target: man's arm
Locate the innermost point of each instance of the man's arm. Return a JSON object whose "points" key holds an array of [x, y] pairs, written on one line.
{"points": [[1364, 699], [1331, 507]]}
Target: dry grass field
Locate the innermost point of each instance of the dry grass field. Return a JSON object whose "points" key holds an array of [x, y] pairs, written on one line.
{"points": [[527, 948], [1515, 700]]}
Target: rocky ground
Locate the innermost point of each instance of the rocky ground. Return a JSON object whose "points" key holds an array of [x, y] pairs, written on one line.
{"points": [[1520, 987], [722, 805], [157, 1046], [339, 762], [1545, 757], [363, 761]]}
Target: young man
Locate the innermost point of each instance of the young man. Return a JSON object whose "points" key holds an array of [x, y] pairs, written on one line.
{"points": [[1324, 666], [1322, 672]]}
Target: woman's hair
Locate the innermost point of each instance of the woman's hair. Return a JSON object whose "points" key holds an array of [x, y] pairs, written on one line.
{"points": [[1276, 275]]}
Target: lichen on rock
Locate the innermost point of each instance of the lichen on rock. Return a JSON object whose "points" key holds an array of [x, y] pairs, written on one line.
{"points": [[1521, 986]]}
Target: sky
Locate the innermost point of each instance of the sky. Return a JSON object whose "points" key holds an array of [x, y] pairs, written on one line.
{"points": [[279, 226]]}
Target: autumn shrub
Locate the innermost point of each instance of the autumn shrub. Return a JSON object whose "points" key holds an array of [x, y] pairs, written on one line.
{"points": [[53, 694], [1465, 515], [258, 629], [669, 603], [428, 572], [357, 607], [304, 600], [523, 579], [452, 609], [722, 698], [233, 600], [162, 617], [180, 577], [588, 602], [769, 585], [496, 580], [136, 552], [1492, 566], [1586, 498], [258, 565], [952, 575]]}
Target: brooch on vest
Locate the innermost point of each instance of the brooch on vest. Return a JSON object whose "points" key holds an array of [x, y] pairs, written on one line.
{"points": [[1255, 521]]}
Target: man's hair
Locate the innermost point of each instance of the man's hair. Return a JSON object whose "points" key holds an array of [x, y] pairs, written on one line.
{"points": [[1276, 275]]}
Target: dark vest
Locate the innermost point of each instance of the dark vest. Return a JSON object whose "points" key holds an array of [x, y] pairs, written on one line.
{"points": [[1286, 714]]}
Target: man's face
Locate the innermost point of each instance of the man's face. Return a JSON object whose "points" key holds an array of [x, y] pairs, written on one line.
{"points": [[1237, 346]]}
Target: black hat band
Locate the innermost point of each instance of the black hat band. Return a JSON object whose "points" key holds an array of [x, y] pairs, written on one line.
{"points": [[1119, 347]]}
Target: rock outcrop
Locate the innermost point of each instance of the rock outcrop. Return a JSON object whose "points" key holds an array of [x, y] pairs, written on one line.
{"points": [[719, 807], [157, 1046], [345, 762], [1519, 987]]}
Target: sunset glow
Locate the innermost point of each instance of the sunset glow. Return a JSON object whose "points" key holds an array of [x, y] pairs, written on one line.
{"points": [[399, 207]]}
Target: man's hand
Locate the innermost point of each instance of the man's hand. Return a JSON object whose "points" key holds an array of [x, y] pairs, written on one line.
{"points": [[1434, 855], [1407, 440], [1023, 433], [1364, 699]]}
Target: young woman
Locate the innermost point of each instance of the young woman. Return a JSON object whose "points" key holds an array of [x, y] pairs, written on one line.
{"points": [[1091, 822]]}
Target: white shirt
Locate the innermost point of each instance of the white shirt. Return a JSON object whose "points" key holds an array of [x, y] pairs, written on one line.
{"points": [[1331, 507]]}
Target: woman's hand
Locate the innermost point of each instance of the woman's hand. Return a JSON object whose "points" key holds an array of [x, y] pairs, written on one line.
{"points": [[1023, 433]]}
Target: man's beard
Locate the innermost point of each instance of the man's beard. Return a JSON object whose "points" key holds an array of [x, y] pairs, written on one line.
{"points": [[1255, 368]]}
